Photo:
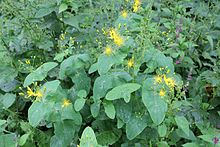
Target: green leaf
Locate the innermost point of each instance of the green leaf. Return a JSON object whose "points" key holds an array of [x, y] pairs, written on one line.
{"points": [[108, 137], [156, 106], [72, 21], [162, 130], [109, 109], [183, 124], [106, 62], [88, 138], [191, 145], [69, 113], [8, 140], [50, 87], [70, 65], [162, 144], [82, 81], [36, 113], [122, 91], [8, 99], [101, 85], [63, 7], [95, 108], [136, 125], [23, 139], [207, 137], [64, 133], [7, 77], [210, 41], [40, 73], [45, 10], [124, 111], [82, 94], [79, 103]]}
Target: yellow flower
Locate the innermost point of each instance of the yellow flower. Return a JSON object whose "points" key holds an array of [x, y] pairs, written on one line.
{"points": [[38, 95], [108, 50], [30, 92], [78, 145], [169, 82], [162, 93], [66, 103], [27, 61], [158, 79], [124, 14], [130, 63], [118, 40], [136, 5]]}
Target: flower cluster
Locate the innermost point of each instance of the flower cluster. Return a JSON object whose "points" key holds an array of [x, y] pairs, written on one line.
{"points": [[136, 5], [116, 37]]}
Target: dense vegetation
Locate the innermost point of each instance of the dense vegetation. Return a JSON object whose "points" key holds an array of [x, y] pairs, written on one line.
{"points": [[89, 73]]}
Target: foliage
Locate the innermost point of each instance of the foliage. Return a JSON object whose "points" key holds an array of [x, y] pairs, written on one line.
{"points": [[109, 73]]}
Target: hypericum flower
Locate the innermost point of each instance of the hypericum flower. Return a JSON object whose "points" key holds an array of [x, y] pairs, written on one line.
{"points": [[169, 82], [38, 95], [130, 63], [136, 5], [158, 79], [124, 14], [27, 61], [118, 40], [162, 93], [108, 51], [30, 92], [66, 103]]}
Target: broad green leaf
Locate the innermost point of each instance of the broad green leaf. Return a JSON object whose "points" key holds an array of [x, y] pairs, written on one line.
{"points": [[207, 137], [88, 138], [82, 81], [182, 134], [36, 113], [79, 103], [156, 106], [70, 65], [191, 145], [162, 130], [72, 21], [106, 62], [64, 133], [82, 94], [102, 85], [8, 99], [23, 139], [7, 78], [63, 7], [124, 111], [40, 73], [108, 137], [162, 144], [69, 113], [122, 91], [45, 10], [8, 140], [136, 125], [93, 68], [109, 109], [95, 108], [50, 87], [183, 124]]}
